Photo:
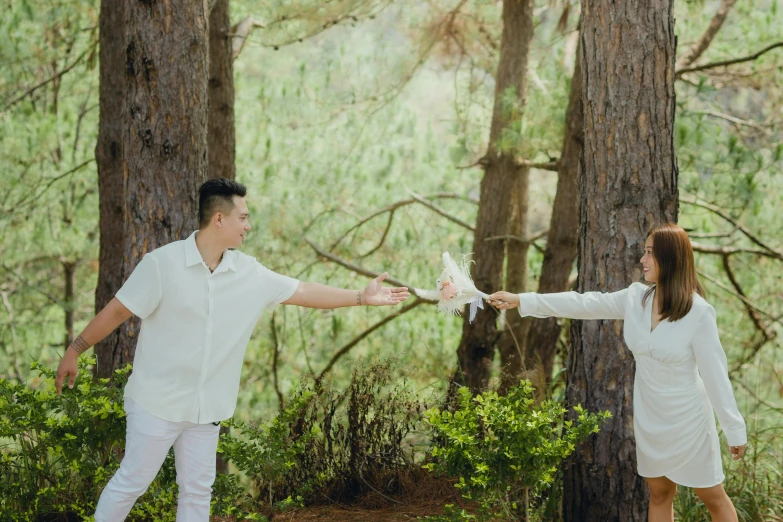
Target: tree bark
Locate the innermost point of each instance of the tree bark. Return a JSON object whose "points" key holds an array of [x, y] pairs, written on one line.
{"points": [[543, 334], [477, 348], [511, 343], [221, 133], [111, 173], [69, 274], [628, 182], [164, 130]]}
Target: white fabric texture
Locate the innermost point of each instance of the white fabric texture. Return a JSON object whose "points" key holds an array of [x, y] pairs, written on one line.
{"points": [[681, 377], [147, 443], [195, 328]]}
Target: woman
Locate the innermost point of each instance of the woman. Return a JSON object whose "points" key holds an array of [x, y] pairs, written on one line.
{"points": [[681, 371]]}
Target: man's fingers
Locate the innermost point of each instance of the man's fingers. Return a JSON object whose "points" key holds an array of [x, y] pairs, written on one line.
{"points": [[58, 383], [71, 380], [382, 277]]}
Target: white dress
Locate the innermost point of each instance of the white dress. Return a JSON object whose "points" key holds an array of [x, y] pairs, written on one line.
{"points": [[681, 377]]}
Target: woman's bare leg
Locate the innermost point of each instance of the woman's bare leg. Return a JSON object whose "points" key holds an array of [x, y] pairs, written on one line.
{"points": [[718, 503], [662, 491]]}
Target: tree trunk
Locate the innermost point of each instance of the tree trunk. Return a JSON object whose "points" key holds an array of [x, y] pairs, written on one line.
{"points": [[165, 130], [511, 343], [111, 184], [69, 274], [477, 347], [221, 133], [543, 334], [628, 183]]}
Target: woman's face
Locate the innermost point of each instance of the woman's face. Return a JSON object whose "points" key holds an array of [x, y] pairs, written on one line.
{"points": [[649, 264]]}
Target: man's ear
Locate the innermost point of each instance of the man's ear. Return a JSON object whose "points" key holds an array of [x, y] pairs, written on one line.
{"points": [[218, 217]]}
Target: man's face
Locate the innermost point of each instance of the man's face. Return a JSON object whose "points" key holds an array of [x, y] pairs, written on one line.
{"points": [[234, 226]]}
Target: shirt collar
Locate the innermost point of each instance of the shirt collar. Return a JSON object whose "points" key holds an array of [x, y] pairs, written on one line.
{"points": [[193, 256]]}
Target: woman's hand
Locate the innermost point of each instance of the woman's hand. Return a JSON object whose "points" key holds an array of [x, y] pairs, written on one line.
{"points": [[737, 451], [503, 300]]}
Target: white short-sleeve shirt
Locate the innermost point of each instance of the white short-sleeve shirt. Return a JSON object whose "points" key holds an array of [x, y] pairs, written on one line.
{"points": [[195, 328]]}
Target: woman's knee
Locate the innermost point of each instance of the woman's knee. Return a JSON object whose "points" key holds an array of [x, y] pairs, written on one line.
{"points": [[662, 492], [715, 498]]}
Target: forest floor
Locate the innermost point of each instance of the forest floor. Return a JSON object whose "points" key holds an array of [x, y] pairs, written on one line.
{"points": [[427, 497]]}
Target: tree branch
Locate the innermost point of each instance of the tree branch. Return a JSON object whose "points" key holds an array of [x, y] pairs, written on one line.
{"points": [[32, 286], [32, 195], [432, 206], [725, 215], [54, 77], [550, 165], [356, 268], [482, 162], [740, 297], [726, 63], [730, 250], [695, 52], [239, 34], [735, 120], [752, 313], [345, 349], [394, 206]]}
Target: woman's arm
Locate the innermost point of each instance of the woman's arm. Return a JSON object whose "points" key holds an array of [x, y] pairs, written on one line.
{"points": [[572, 305], [714, 371]]}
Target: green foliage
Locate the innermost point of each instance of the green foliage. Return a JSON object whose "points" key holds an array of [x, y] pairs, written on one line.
{"points": [[324, 441], [506, 449], [58, 452], [269, 452]]}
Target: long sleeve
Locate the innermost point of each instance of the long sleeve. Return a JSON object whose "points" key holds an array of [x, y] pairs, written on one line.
{"points": [[573, 305], [714, 371]]}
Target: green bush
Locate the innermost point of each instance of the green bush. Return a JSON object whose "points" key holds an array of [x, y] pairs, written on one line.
{"points": [[505, 450], [329, 443], [58, 452]]}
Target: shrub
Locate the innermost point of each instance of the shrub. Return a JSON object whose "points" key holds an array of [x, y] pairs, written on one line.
{"points": [[505, 450], [58, 452], [330, 443]]}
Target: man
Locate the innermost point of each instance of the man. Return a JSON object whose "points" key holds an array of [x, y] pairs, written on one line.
{"points": [[199, 302]]}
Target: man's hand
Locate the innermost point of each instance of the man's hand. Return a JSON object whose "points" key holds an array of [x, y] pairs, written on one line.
{"points": [[503, 300], [376, 295], [68, 368]]}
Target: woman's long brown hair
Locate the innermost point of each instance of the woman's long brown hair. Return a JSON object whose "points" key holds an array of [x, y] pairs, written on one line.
{"points": [[677, 280]]}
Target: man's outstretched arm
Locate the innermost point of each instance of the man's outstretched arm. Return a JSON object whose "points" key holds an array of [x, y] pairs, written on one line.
{"points": [[107, 320], [317, 295]]}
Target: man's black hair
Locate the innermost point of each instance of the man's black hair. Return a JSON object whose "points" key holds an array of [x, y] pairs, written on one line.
{"points": [[217, 194]]}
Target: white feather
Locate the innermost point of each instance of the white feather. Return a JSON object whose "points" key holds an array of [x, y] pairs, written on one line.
{"points": [[466, 290]]}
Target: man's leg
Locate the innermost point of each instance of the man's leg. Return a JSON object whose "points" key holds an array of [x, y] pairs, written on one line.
{"points": [[147, 442], [194, 457]]}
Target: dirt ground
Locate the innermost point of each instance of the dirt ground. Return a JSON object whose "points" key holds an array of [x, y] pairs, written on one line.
{"points": [[427, 497]]}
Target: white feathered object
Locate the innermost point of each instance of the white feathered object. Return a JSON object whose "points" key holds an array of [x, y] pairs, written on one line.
{"points": [[455, 288]]}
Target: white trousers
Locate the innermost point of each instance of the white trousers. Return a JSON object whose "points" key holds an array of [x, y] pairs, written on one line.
{"points": [[147, 443]]}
